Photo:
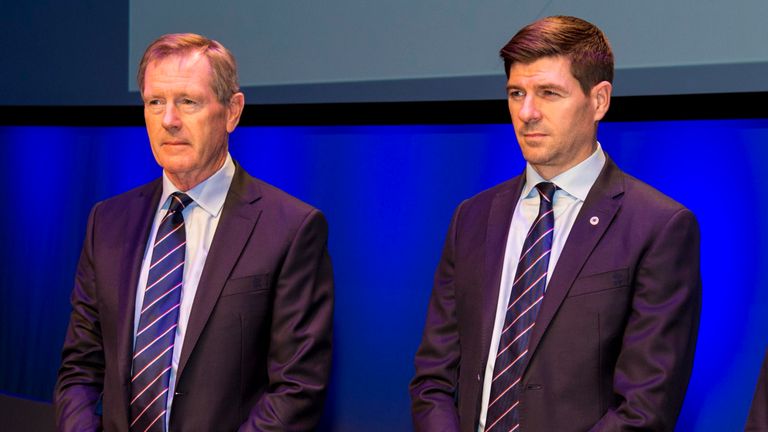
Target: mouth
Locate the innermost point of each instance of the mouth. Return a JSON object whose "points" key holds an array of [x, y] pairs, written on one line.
{"points": [[175, 143]]}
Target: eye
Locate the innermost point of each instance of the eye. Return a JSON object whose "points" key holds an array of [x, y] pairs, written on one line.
{"points": [[154, 106], [549, 93], [188, 105], [516, 94]]}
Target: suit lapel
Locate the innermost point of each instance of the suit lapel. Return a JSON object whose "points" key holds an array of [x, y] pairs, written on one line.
{"points": [[603, 201], [135, 229], [238, 218], [499, 220]]}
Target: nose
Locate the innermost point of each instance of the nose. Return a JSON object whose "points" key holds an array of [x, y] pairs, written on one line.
{"points": [[529, 112], [171, 120]]}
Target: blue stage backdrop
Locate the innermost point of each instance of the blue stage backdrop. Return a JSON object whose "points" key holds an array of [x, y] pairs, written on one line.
{"points": [[388, 193]]}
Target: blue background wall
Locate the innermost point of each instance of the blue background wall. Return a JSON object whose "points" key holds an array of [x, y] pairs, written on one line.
{"points": [[388, 193]]}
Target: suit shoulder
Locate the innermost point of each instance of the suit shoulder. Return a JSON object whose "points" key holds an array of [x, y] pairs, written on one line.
{"points": [[648, 208], [284, 214], [484, 199], [119, 203], [273, 193], [641, 194], [287, 206]]}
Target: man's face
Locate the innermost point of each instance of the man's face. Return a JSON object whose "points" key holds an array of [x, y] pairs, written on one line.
{"points": [[555, 122], [187, 125]]}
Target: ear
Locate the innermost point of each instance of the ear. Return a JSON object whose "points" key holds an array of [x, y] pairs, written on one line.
{"points": [[235, 110], [600, 96]]}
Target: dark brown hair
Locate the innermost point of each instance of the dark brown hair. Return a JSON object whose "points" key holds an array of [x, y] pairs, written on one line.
{"points": [[578, 40]]}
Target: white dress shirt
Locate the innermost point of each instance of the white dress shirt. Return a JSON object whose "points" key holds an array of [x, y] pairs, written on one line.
{"points": [[201, 218], [574, 185]]}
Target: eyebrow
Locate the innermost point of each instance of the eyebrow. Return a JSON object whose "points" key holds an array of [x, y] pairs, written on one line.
{"points": [[158, 95], [545, 86]]}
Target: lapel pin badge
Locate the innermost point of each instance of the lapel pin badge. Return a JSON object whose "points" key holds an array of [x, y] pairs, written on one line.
{"points": [[594, 220]]}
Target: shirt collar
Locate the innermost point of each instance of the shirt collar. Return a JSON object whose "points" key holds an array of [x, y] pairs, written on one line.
{"points": [[210, 193], [576, 182]]}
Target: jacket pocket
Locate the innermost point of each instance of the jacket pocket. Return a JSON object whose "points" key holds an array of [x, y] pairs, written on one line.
{"points": [[599, 282], [245, 285]]}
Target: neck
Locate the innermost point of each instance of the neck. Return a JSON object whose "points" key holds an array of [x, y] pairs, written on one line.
{"points": [[188, 180]]}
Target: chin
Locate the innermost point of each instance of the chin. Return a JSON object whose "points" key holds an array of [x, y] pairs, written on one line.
{"points": [[176, 164], [534, 155]]}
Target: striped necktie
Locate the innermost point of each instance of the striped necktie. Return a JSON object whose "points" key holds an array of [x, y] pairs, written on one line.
{"points": [[159, 318], [524, 303]]}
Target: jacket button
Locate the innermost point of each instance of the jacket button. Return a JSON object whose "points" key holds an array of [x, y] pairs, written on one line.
{"points": [[478, 377]]}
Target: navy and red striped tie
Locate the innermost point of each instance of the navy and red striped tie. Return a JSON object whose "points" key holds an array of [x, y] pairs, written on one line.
{"points": [[524, 303], [159, 318]]}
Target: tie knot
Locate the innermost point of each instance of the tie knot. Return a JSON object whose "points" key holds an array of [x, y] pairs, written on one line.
{"points": [[547, 191], [179, 201]]}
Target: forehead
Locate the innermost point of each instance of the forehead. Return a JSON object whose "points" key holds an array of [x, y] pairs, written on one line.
{"points": [[191, 70], [554, 70]]}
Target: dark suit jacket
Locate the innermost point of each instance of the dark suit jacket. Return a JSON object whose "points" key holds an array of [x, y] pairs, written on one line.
{"points": [[757, 421], [257, 350], [612, 348]]}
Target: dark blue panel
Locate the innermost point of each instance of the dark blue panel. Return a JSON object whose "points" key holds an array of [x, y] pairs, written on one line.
{"points": [[388, 193]]}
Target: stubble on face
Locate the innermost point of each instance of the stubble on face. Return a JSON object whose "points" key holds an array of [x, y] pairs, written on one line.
{"points": [[554, 120]]}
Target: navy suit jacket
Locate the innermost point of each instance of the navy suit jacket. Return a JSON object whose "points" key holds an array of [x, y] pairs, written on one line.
{"points": [[612, 347], [257, 351], [757, 420]]}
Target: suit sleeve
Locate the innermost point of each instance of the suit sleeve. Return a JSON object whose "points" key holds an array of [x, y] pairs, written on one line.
{"points": [[757, 420], [81, 375], [656, 357], [299, 360], [434, 387]]}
